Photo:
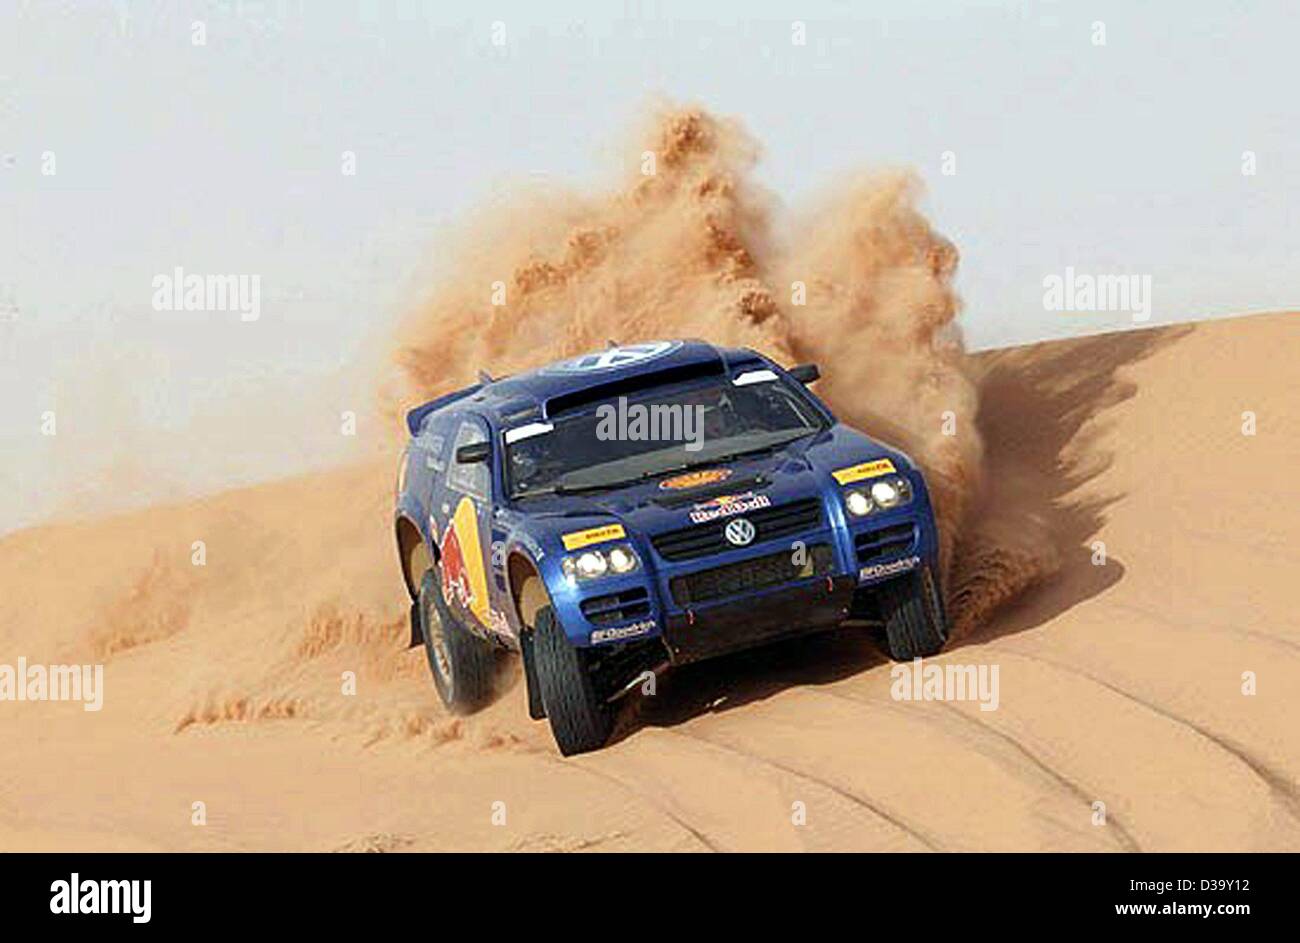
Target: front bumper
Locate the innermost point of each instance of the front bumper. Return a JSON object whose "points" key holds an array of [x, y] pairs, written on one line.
{"points": [[748, 621], [724, 601]]}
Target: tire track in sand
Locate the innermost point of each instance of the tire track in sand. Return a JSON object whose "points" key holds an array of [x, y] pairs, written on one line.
{"points": [[1282, 788], [923, 775], [842, 791], [694, 831], [1126, 840]]}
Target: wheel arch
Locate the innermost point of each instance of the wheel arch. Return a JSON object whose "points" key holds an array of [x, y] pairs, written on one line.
{"points": [[528, 592], [413, 553]]}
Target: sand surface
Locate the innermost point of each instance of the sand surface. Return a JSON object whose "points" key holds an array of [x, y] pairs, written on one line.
{"points": [[1120, 683]]}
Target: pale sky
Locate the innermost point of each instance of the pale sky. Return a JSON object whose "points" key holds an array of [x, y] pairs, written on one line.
{"points": [[1125, 157]]}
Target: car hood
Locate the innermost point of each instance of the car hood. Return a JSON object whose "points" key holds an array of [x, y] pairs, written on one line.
{"points": [[799, 470]]}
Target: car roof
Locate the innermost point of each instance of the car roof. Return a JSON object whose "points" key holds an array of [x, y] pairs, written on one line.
{"points": [[539, 393]]}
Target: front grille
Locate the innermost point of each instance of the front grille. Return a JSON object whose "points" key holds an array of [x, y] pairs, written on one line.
{"points": [[887, 541], [764, 572], [617, 607], [701, 540]]}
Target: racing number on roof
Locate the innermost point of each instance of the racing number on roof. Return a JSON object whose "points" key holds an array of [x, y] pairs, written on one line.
{"points": [[616, 357]]}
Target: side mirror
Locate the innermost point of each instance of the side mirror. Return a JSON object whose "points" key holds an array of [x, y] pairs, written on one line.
{"points": [[472, 453], [805, 373]]}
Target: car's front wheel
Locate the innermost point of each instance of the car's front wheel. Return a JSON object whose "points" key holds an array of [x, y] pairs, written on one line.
{"points": [[580, 718], [915, 625], [462, 663]]}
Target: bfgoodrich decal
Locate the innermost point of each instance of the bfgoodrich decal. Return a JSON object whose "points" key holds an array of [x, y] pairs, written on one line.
{"points": [[623, 631], [888, 569]]}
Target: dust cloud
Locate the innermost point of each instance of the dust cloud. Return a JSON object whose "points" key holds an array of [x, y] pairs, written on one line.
{"points": [[689, 246]]}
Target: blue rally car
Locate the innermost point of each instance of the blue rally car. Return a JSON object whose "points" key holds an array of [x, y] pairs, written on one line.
{"points": [[646, 506]]}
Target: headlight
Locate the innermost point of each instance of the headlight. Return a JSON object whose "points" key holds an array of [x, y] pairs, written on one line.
{"points": [[882, 495], [858, 503], [622, 559], [592, 564], [885, 494]]}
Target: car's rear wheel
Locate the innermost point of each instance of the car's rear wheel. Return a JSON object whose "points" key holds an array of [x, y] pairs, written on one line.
{"points": [[580, 719], [912, 612], [462, 663]]}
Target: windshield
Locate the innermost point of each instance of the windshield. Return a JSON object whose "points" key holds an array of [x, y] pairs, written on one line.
{"points": [[661, 430]]}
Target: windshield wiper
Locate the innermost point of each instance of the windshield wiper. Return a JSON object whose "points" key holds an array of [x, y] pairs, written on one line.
{"points": [[732, 456], [738, 453], [572, 489], [719, 459], [656, 472]]}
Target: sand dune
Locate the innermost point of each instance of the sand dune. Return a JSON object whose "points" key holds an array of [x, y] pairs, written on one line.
{"points": [[1120, 683]]}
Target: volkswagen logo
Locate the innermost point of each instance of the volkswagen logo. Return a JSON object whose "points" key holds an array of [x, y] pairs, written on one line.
{"points": [[739, 532], [614, 358]]}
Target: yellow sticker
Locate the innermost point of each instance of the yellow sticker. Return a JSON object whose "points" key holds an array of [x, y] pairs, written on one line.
{"points": [[874, 469], [596, 535]]}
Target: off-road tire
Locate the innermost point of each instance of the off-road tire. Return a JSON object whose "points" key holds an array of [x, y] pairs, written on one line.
{"points": [[464, 673], [580, 720], [913, 616]]}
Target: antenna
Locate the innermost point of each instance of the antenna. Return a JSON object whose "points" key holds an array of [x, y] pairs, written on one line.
{"points": [[610, 345], [484, 377]]}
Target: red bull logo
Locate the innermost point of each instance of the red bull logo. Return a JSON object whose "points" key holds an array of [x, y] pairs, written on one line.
{"points": [[727, 505], [463, 576], [454, 582]]}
